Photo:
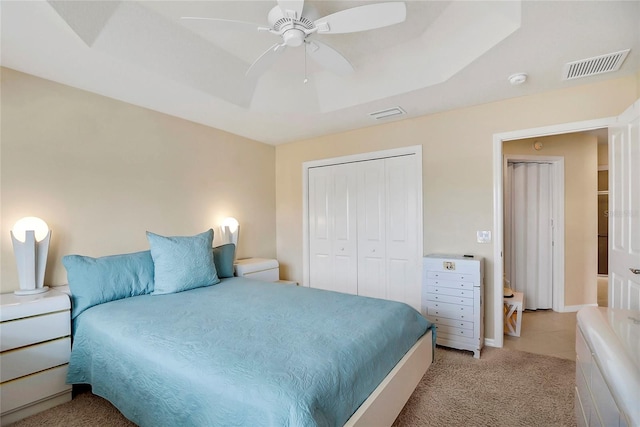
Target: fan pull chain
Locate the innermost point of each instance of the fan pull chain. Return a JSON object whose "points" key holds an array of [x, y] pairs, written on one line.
{"points": [[305, 63]]}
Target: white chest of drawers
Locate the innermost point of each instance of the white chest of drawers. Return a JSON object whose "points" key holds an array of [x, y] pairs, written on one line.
{"points": [[607, 367], [35, 343], [452, 298]]}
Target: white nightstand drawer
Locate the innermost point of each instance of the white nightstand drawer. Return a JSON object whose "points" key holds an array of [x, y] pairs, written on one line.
{"points": [[26, 360], [31, 330], [26, 390]]}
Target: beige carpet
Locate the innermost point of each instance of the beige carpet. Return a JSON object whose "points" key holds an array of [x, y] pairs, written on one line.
{"points": [[503, 388]]}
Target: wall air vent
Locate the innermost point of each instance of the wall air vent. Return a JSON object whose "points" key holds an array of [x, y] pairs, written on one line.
{"points": [[596, 65], [389, 112]]}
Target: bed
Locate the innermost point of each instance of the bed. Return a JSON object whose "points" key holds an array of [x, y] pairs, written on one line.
{"points": [[244, 352]]}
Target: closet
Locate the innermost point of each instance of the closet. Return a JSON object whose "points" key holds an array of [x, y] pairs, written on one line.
{"points": [[363, 221]]}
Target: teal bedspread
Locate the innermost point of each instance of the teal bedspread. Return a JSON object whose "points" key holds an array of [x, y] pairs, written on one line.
{"points": [[242, 353]]}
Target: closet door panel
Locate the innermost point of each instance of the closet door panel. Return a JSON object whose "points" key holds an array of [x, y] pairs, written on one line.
{"points": [[401, 240], [332, 229], [344, 229], [320, 257], [371, 229]]}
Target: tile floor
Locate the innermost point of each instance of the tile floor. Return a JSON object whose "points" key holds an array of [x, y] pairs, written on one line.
{"points": [[551, 333]]}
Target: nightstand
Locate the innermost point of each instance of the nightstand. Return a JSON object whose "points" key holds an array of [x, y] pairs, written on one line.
{"points": [[266, 270], [35, 344]]}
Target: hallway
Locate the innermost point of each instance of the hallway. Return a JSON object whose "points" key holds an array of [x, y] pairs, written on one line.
{"points": [[546, 332]]}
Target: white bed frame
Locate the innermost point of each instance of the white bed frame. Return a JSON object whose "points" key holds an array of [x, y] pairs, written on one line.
{"points": [[385, 403]]}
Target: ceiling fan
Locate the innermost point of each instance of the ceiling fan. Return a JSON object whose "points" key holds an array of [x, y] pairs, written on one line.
{"points": [[289, 21]]}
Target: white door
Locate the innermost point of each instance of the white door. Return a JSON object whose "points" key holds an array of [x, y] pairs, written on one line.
{"points": [[364, 228], [388, 215], [333, 228], [624, 210], [372, 270], [529, 232], [404, 260]]}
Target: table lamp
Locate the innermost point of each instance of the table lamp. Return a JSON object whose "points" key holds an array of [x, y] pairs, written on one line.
{"points": [[229, 231], [30, 237]]}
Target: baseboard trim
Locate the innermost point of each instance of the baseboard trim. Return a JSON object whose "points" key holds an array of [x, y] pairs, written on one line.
{"points": [[490, 342], [574, 308]]}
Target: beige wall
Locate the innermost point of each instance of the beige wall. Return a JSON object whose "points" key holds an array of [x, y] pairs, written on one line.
{"points": [[101, 172], [457, 166], [580, 153]]}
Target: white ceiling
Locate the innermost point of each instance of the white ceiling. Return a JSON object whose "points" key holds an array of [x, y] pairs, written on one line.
{"points": [[446, 55]]}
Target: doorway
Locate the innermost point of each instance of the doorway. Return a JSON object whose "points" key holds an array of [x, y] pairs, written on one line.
{"points": [[603, 227], [498, 225]]}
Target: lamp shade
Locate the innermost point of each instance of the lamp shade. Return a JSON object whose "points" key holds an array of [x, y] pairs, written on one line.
{"points": [[30, 237], [229, 231], [39, 227], [231, 223]]}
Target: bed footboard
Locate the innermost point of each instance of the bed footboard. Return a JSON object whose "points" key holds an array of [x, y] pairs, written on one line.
{"points": [[385, 403]]}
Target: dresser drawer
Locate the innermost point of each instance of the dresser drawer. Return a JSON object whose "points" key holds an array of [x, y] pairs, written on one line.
{"points": [[457, 276], [35, 358], [456, 292], [450, 299], [450, 322], [31, 330], [26, 390], [452, 330], [451, 284], [451, 311]]}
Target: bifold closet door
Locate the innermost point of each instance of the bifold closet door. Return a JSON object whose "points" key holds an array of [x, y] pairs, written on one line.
{"points": [[404, 260], [363, 229], [387, 224], [333, 228], [531, 233], [372, 230]]}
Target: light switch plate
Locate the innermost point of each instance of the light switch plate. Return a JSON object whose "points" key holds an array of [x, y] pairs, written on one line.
{"points": [[483, 236]]}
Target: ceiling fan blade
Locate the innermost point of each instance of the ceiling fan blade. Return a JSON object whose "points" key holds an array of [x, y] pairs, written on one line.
{"points": [[291, 8], [265, 61], [328, 57], [227, 23], [362, 18]]}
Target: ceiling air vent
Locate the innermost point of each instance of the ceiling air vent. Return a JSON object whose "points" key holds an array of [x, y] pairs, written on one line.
{"points": [[389, 112], [596, 65]]}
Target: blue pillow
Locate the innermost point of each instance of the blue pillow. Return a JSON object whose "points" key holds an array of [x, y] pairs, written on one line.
{"points": [[95, 281], [223, 256], [182, 263]]}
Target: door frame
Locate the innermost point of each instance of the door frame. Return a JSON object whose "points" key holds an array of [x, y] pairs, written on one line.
{"points": [[557, 176], [498, 205], [361, 157]]}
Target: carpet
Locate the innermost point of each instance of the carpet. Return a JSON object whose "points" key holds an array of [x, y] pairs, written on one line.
{"points": [[502, 388]]}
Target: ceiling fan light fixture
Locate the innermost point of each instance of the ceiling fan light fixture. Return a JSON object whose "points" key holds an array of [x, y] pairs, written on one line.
{"points": [[293, 37]]}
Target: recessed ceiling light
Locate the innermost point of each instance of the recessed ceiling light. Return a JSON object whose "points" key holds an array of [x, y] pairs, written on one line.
{"points": [[518, 78]]}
